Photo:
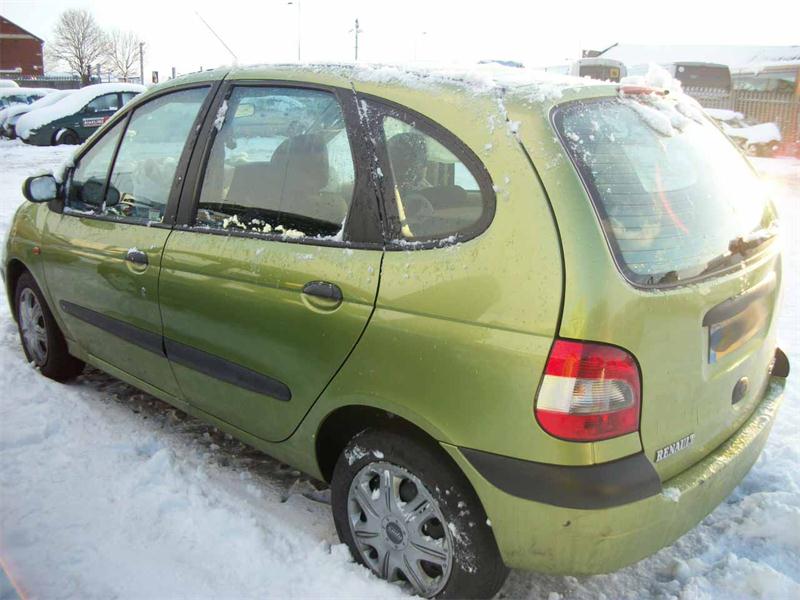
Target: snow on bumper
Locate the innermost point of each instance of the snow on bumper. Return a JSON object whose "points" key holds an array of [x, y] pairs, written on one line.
{"points": [[552, 539]]}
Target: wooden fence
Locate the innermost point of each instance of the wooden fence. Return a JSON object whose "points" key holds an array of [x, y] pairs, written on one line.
{"points": [[762, 107]]}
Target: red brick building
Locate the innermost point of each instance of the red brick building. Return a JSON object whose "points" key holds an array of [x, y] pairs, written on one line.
{"points": [[20, 51]]}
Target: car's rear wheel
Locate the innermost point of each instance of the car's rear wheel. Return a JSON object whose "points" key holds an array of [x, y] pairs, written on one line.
{"points": [[409, 514], [66, 137], [42, 340]]}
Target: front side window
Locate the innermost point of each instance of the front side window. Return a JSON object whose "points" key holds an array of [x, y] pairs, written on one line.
{"points": [[86, 187], [103, 103], [148, 157], [435, 194], [676, 199], [280, 163]]}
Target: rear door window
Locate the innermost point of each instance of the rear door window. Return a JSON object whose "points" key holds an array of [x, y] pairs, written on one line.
{"points": [[281, 163], [676, 200]]}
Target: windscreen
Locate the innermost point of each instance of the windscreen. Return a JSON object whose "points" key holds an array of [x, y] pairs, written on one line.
{"points": [[676, 199]]}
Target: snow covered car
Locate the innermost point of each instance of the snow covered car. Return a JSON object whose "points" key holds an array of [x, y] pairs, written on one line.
{"points": [[10, 96], [9, 116], [75, 117], [514, 319], [756, 139], [8, 83]]}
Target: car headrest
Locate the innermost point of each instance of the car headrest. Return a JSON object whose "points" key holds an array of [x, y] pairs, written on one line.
{"points": [[304, 160]]}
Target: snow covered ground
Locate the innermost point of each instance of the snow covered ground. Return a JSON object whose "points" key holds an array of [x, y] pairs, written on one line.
{"points": [[108, 492]]}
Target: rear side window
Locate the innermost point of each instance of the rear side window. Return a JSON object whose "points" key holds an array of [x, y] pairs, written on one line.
{"points": [[435, 194], [281, 163], [675, 198]]}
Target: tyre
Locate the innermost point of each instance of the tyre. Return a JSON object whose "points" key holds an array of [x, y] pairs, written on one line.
{"points": [[42, 340], [407, 513], [66, 137]]}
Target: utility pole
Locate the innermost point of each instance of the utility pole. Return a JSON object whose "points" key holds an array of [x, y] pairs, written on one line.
{"points": [[356, 30], [141, 62]]}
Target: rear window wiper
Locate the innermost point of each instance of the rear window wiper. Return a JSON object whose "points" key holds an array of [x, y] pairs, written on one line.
{"points": [[743, 243], [739, 245]]}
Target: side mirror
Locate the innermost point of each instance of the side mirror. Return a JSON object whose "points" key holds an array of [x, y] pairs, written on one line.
{"points": [[42, 188]]}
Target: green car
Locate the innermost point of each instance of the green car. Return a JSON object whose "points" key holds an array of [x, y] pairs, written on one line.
{"points": [[522, 325], [73, 118]]}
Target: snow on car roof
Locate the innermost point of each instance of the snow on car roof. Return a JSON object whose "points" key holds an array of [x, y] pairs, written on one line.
{"points": [[475, 78], [70, 104], [22, 91], [47, 100]]}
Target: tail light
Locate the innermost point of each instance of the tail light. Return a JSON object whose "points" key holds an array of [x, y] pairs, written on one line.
{"points": [[589, 392]]}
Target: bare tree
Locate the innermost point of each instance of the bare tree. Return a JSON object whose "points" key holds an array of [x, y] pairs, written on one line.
{"points": [[78, 42], [122, 53]]}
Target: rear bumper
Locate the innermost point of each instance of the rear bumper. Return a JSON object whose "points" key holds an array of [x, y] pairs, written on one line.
{"points": [[562, 539]]}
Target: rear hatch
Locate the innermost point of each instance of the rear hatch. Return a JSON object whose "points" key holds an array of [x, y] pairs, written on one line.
{"points": [[671, 252]]}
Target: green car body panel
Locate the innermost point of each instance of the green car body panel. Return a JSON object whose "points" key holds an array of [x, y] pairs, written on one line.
{"points": [[453, 339]]}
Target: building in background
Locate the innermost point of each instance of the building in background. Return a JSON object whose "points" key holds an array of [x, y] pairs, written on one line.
{"points": [[21, 52]]}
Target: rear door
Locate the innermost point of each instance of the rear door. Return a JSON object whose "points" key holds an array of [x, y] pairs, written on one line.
{"points": [[271, 279], [103, 250]]}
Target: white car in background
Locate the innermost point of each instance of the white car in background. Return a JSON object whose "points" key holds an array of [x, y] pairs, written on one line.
{"points": [[756, 139], [10, 115]]}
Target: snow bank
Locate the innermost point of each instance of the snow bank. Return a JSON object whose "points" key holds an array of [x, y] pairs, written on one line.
{"points": [[70, 104], [18, 109], [762, 133], [7, 83]]}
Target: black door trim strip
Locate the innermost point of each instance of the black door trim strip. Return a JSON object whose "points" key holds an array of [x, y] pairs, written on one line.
{"points": [[130, 333], [226, 371], [198, 360]]}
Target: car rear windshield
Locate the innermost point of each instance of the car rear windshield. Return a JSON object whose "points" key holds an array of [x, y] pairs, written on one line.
{"points": [[676, 199]]}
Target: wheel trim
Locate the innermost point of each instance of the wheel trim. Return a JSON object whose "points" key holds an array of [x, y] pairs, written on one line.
{"points": [[400, 540], [32, 326]]}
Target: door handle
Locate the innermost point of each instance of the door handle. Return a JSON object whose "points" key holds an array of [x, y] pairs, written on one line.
{"points": [[323, 289], [137, 257]]}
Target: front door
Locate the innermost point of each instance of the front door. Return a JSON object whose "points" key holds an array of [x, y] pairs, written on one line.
{"points": [[264, 290], [103, 252]]}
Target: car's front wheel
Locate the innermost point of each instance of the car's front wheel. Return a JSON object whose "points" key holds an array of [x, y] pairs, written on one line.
{"points": [[42, 341], [409, 514]]}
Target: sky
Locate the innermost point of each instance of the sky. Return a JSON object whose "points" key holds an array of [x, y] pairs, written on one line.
{"points": [[537, 34]]}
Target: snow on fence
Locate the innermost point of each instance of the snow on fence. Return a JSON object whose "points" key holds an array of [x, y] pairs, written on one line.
{"points": [[763, 107]]}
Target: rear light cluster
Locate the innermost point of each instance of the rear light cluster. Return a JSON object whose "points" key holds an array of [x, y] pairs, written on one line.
{"points": [[589, 392]]}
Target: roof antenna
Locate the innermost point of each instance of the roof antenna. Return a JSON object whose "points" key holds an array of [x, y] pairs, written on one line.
{"points": [[221, 41]]}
